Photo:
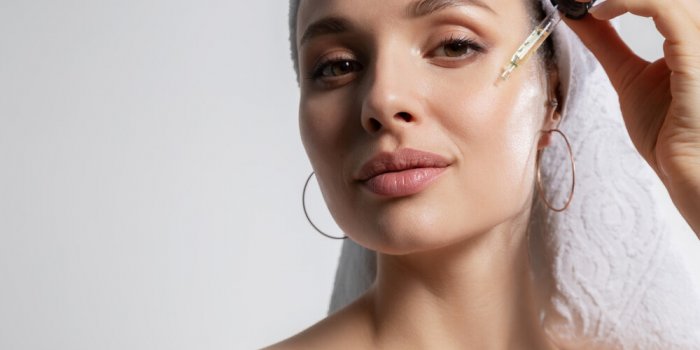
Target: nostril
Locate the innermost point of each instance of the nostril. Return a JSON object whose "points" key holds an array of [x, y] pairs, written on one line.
{"points": [[375, 124], [405, 116]]}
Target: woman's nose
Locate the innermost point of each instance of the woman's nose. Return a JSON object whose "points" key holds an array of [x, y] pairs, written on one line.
{"points": [[391, 99]]}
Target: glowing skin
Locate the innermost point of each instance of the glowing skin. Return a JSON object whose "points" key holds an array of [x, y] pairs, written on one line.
{"points": [[454, 109], [453, 268]]}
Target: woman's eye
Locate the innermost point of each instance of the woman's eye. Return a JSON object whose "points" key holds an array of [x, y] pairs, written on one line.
{"points": [[457, 47], [335, 68]]}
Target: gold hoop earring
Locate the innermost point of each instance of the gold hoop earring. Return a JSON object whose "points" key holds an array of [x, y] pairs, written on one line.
{"points": [[303, 204], [573, 174]]}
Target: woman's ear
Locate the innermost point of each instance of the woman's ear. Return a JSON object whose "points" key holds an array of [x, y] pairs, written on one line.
{"points": [[553, 107]]}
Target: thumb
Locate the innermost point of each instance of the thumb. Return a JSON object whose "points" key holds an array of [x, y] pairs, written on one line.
{"points": [[619, 61]]}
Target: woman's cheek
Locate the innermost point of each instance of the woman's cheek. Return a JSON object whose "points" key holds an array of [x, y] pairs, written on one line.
{"points": [[521, 130], [324, 126], [320, 125], [495, 129]]}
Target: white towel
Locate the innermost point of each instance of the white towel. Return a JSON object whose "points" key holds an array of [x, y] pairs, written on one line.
{"points": [[610, 268]]}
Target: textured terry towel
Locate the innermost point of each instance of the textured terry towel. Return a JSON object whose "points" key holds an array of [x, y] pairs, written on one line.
{"points": [[612, 271]]}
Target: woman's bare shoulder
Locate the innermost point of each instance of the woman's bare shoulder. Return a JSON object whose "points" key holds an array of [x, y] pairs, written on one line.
{"points": [[349, 327]]}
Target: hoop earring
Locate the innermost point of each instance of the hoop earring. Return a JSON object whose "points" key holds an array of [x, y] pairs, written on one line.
{"points": [[303, 204], [573, 174]]}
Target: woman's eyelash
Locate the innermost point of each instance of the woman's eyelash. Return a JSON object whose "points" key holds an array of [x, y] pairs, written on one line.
{"points": [[462, 41], [320, 66]]}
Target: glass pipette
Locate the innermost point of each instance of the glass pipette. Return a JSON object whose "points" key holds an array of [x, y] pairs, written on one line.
{"points": [[532, 43]]}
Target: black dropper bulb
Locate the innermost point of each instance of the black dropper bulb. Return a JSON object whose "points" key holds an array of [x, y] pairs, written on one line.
{"points": [[572, 8]]}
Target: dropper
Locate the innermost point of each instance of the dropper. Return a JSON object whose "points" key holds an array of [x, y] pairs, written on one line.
{"points": [[532, 43]]}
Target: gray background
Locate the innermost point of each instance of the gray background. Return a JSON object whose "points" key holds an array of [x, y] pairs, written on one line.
{"points": [[151, 173]]}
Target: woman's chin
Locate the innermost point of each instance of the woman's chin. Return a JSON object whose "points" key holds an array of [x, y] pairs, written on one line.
{"points": [[400, 227], [406, 237]]}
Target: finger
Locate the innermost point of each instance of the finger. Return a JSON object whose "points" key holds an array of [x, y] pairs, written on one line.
{"points": [[672, 20], [683, 59], [619, 61]]}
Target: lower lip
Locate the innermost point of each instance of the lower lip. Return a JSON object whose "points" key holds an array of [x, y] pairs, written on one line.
{"points": [[402, 183]]}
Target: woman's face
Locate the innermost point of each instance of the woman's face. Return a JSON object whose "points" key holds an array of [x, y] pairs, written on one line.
{"points": [[383, 76]]}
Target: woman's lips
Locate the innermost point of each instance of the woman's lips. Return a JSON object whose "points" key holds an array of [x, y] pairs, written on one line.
{"points": [[402, 183], [401, 173]]}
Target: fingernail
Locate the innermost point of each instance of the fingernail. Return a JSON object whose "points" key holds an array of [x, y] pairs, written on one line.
{"points": [[594, 10], [597, 5]]}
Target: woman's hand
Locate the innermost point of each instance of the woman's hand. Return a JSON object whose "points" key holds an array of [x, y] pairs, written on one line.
{"points": [[660, 101]]}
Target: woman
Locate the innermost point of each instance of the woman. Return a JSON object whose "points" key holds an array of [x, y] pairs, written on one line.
{"points": [[397, 84]]}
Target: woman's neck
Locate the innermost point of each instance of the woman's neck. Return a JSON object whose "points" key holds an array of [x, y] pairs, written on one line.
{"points": [[477, 293]]}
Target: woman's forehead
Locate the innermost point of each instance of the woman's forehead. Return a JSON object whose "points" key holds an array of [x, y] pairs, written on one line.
{"points": [[308, 9], [311, 11]]}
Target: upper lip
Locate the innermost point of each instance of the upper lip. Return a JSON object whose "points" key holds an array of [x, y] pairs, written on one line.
{"points": [[405, 158]]}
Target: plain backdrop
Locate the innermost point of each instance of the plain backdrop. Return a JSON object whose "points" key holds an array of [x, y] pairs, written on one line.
{"points": [[151, 174]]}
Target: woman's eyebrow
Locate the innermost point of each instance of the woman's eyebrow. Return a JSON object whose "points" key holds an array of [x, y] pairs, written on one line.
{"points": [[417, 8], [420, 8], [325, 26]]}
